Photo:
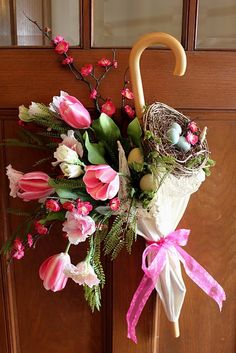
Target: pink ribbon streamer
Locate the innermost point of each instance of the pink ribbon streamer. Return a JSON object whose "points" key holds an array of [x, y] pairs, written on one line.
{"points": [[158, 252]]}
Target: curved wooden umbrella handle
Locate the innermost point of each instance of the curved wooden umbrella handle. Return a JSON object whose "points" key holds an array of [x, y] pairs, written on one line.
{"points": [[134, 63]]}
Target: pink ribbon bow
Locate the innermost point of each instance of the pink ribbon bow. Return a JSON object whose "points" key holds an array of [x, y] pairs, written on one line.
{"points": [[158, 252]]}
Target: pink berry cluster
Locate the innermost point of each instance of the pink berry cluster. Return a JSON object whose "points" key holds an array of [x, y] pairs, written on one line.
{"points": [[192, 133]]}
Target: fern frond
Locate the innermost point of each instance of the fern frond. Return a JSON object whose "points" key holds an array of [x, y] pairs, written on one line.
{"points": [[93, 297], [66, 183], [117, 249]]}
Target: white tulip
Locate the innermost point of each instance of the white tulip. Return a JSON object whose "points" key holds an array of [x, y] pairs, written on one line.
{"points": [[65, 154], [71, 170]]}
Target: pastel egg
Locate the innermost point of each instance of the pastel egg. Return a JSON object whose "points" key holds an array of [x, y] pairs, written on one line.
{"points": [[173, 136], [183, 144], [136, 156], [177, 127], [148, 183]]}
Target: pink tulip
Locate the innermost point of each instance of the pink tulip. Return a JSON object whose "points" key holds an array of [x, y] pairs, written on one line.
{"points": [[34, 186], [102, 182], [29, 186], [52, 272], [74, 113]]}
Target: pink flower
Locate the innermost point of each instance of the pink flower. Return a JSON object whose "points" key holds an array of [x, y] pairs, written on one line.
{"points": [[108, 108], [191, 138], [58, 39], [129, 111], [104, 62], [29, 240], [70, 141], [40, 228], [127, 93], [74, 113], [115, 64], [52, 205], [62, 47], [114, 204], [69, 206], [68, 60], [102, 182], [82, 274], [18, 249], [84, 208], [78, 227], [14, 177], [86, 70], [29, 186], [52, 272], [192, 126], [93, 94]]}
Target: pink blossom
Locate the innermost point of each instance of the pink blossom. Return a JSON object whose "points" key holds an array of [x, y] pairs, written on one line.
{"points": [[68, 60], [129, 111], [114, 204], [47, 30], [93, 94], [108, 108], [192, 126], [86, 70], [127, 93], [18, 249], [29, 240], [102, 182], [69, 206], [40, 228], [104, 62], [52, 205], [82, 274], [52, 272], [29, 186], [84, 208], [78, 227], [115, 64], [74, 113], [191, 138], [58, 39], [62, 47], [14, 177]]}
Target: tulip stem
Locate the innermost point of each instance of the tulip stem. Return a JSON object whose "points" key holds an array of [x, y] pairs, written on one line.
{"points": [[67, 248]]}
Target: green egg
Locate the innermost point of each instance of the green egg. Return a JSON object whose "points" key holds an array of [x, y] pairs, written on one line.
{"points": [[183, 144], [173, 136], [177, 127]]}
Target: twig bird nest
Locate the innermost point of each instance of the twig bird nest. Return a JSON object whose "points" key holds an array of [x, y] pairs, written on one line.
{"points": [[187, 144]]}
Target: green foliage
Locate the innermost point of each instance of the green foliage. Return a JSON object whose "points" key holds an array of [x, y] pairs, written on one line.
{"points": [[113, 236], [134, 131], [96, 151], [66, 183], [53, 216], [106, 129], [210, 163], [93, 296], [17, 212]]}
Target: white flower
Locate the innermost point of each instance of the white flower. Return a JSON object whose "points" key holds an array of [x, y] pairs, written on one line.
{"points": [[70, 141], [71, 170], [37, 109], [24, 114], [82, 274], [57, 100], [14, 176], [65, 154]]}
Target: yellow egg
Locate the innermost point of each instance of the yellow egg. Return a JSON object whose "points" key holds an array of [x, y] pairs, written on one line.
{"points": [[136, 156], [148, 183]]}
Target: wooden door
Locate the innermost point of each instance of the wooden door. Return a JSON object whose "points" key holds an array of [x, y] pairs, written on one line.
{"points": [[33, 320]]}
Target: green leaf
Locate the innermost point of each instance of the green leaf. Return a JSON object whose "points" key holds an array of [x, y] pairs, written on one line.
{"points": [[106, 129], [95, 151], [66, 195], [53, 216], [134, 131]]}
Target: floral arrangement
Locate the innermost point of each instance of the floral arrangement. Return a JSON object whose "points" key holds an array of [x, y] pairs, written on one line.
{"points": [[86, 187]]}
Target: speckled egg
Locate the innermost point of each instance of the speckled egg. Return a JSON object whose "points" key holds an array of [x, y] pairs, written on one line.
{"points": [[173, 135], [177, 127], [183, 144]]}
